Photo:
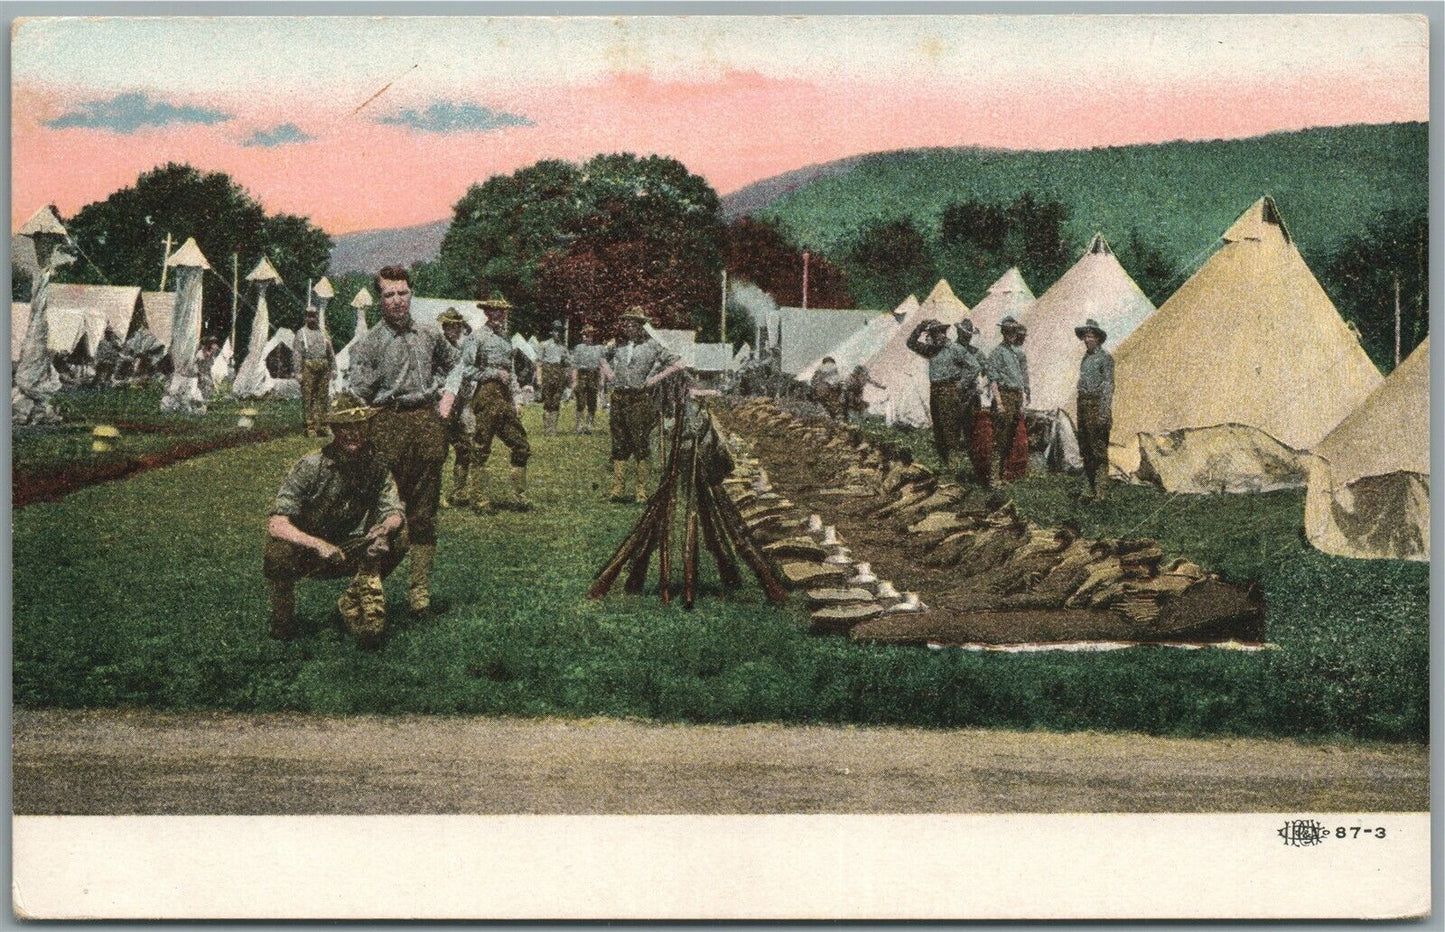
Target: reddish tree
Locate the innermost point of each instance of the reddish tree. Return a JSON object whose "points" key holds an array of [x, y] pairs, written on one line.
{"points": [[594, 281], [758, 251]]}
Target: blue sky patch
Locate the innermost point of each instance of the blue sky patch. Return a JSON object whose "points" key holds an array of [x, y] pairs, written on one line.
{"points": [[286, 134], [126, 113], [444, 116]]}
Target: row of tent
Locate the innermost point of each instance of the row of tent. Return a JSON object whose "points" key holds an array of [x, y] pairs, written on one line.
{"points": [[1246, 379]]}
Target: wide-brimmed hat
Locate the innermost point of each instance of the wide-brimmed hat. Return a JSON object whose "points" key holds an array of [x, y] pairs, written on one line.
{"points": [[497, 302], [931, 325], [636, 313], [348, 409], [452, 316], [965, 327], [1009, 323], [1091, 325]]}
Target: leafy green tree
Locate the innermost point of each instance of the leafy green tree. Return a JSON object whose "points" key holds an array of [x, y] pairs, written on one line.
{"points": [[535, 234], [21, 283], [1360, 278], [759, 251], [887, 261], [123, 241]]}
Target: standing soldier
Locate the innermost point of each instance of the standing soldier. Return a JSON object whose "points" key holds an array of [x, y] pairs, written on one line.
{"points": [[397, 369], [460, 425], [953, 370], [316, 362], [486, 362], [635, 365], [337, 513], [827, 387], [553, 359], [205, 360], [107, 358], [1096, 407], [1008, 370], [858, 380], [586, 378]]}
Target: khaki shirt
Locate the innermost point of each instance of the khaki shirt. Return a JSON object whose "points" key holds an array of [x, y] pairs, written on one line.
{"points": [[552, 353], [335, 502], [485, 356], [1096, 377], [312, 345], [1008, 367], [587, 355], [399, 366], [634, 363]]}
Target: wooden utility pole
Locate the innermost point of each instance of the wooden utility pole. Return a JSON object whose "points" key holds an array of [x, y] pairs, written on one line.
{"points": [[1397, 318], [164, 267], [805, 279], [723, 327], [235, 296]]}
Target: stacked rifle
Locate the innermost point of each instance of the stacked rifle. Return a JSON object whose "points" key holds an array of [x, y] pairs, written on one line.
{"points": [[696, 469]]}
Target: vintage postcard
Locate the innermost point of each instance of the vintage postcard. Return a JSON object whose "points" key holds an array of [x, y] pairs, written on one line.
{"points": [[721, 466]]}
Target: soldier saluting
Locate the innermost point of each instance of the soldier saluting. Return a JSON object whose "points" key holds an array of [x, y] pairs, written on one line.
{"points": [[954, 368], [486, 362], [634, 365]]}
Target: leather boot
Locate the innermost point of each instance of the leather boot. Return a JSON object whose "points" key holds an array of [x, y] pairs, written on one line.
{"points": [[418, 590], [644, 476], [281, 599], [459, 496], [477, 489], [619, 481], [363, 610], [519, 487]]}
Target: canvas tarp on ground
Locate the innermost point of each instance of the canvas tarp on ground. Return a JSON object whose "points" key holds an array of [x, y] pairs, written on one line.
{"points": [[1369, 491], [1226, 458], [1008, 297], [903, 399], [1250, 339]]}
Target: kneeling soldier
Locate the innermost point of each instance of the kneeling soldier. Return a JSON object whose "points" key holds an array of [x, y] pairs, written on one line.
{"points": [[337, 514]]}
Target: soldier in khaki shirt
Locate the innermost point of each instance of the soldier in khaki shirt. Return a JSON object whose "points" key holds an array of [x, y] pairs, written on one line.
{"points": [[315, 365], [634, 365], [460, 424], [1096, 407], [586, 378], [553, 360], [337, 514]]}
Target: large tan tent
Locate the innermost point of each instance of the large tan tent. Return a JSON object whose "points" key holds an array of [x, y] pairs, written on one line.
{"points": [[1096, 287], [1250, 343], [1369, 490], [943, 305], [1008, 297]]}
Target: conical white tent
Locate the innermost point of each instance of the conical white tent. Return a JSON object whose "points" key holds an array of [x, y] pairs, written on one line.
{"points": [[323, 290], [1369, 488], [903, 373], [221, 365], [943, 305], [183, 390], [1095, 287], [343, 357], [35, 379], [1250, 343], [1008, 297], [858, 349], [253, 380], [281, 341]]}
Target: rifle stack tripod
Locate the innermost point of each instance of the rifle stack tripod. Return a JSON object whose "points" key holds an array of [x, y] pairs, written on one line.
{"points": [[709, 514]]}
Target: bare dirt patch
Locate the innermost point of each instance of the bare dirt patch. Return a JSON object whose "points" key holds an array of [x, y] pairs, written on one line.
{"points": [[120, 762]]}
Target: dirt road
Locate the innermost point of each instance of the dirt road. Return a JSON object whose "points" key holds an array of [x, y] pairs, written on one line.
{"points": [[113, 762]]}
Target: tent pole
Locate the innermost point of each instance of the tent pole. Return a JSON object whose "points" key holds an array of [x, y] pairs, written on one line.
{"points": [[235, 297], [1397, 318], [165, 261], [723, 327]]}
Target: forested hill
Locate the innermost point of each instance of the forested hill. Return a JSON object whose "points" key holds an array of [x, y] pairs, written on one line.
{"points": [[1330, 185]]}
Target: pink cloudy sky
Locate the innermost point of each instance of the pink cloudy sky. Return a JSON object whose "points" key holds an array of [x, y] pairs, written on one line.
{"points": [[274, 101]]}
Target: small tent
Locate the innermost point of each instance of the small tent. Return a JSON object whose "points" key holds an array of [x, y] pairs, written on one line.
{"points": [[1368, 494], [858, 349], [681, 343], [253, 379], [343, 356], [1250, 343], [943, 305], [804, 334], [1008, 297], [902, 373]]}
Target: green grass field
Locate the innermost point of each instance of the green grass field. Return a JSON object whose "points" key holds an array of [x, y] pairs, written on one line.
{"points": [[144, 428], [147, 592]]}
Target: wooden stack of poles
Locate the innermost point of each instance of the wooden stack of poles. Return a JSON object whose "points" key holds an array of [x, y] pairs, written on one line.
{"points": [[709, 516]]}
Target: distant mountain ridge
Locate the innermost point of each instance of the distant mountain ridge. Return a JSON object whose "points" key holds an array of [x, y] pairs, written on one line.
{"points": [[368, 250]]}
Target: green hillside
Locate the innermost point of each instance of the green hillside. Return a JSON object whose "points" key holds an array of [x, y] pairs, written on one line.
{"points": [[1330, 184]]}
